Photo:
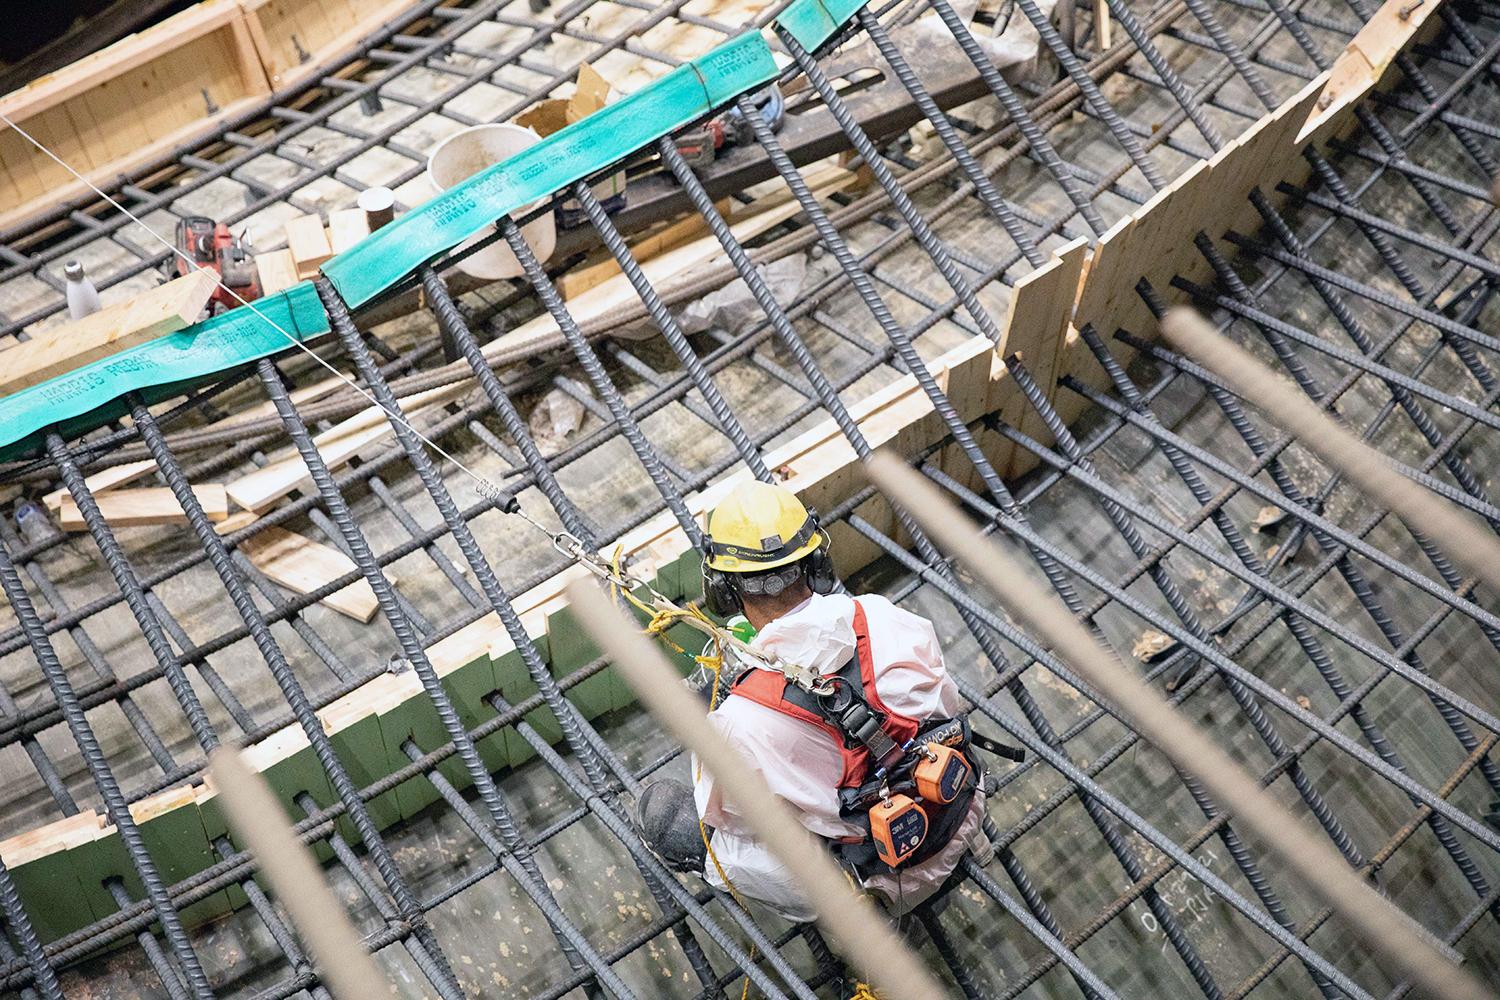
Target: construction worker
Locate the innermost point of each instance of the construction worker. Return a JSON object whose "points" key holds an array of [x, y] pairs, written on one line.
{"points": [[841, 756]]}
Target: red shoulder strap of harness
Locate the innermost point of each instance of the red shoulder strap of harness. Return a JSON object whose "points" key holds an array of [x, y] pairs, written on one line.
{"points": [[768, 688]]}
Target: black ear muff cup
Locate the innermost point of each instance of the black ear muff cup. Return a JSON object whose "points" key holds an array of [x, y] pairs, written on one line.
{"points": [[720, 597], [818, 568]]}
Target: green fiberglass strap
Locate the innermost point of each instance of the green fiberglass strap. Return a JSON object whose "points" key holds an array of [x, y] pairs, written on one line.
{"points": [[75, 400], [813, 22], [584, 148]]}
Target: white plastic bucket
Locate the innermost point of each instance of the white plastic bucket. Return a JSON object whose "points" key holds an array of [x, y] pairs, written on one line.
{"points": [[464, 154]]}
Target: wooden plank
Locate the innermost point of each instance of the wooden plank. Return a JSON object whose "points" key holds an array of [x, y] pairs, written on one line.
{"points": [[151, 148], [1364, 61], [302, 565], [247, 58], [277, 270], [346, 227], [287, 762], [140, 97], [234, 522], [1041, 307], [127, 54], [104, 479], [580, 279], [144, 317], [144, 507], [308, 244], [1156, 241], [273, 31], [261, 489], [305, 394]]}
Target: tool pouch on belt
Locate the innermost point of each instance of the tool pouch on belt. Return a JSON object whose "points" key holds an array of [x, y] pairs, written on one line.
{"points": [[869, 805]]}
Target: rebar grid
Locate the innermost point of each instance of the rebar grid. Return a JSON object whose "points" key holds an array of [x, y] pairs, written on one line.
{"points": [[1187, 577]]}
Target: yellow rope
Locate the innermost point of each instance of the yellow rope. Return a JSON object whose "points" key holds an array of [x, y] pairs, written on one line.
{"points": [[662, 617]]}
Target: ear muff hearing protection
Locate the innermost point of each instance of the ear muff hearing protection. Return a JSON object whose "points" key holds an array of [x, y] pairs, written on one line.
{"points": [[760, 528], [719, 596], [721, 590]]}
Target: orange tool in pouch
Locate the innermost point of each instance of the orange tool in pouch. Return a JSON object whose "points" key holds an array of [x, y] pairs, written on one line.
{"points": [[897, 827], [941, 774]]}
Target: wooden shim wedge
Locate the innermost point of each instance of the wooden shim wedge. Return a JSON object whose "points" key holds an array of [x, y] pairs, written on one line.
{"points": [[149, 315], [144, 507], [302, 565]]}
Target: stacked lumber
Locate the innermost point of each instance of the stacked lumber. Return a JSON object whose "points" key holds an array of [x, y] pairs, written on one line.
{"points": [[146, 316], [309, 244]]}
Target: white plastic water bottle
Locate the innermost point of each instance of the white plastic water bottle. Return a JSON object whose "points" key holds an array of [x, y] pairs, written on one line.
{"points": [[83, 297], [35, 526]]}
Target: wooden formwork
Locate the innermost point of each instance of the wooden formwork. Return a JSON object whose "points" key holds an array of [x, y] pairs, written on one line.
{"points": [[138, 99]]}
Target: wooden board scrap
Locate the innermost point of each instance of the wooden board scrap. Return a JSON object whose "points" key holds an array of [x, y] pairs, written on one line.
{"points": [[143, 507], [105, 479], [277, 271], [346, 227], [261, 489], [308, 243], [149, 315], [302, 565]]}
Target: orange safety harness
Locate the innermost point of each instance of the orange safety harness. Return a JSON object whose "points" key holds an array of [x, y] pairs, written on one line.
{"points": [[907, 783]]}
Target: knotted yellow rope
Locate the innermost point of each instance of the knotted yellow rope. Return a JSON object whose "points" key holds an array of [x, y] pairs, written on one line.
{"points": [[663, 615]]}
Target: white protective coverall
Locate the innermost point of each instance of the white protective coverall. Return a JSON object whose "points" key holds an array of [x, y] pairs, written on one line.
{"points": [[802, 764]]}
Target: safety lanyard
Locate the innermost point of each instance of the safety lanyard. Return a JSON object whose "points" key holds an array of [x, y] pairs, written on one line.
{"points": [[664, 612]]}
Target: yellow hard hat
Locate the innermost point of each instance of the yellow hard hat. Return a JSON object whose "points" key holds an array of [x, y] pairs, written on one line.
{"points": [[760, 526]]}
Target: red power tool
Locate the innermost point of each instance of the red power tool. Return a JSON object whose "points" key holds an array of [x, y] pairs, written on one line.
{"points": [[210, 244]]}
